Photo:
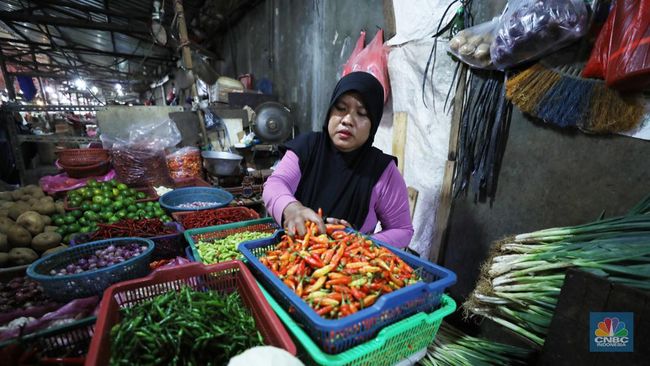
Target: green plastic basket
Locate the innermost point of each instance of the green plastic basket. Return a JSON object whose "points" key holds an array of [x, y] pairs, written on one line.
{"points": [[221, 231], [394, 344]]}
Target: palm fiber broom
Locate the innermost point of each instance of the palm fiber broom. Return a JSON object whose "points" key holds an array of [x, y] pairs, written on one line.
{"points": [[558, 95]]}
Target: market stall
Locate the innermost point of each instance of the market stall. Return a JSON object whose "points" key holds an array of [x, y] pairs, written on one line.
{"points": [[145, 142]]}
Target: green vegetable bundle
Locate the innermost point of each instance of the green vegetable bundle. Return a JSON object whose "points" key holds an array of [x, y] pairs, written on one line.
{"points": [[455, 348], [187, 327], [225, 249], [521, 281]]}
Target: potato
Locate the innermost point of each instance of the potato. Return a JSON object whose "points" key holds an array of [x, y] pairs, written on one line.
{"points": [[21, 256], [33, 202], [46, 220], [4, 213], [54, 250], [46, 208], [18, 236], [5, 224], [31, 221], [4, 259], [6, 196], [46, 199], [4, 244], [16, 195], [60, 208], [25, 198], [17, 209], [6, 204], [45, 241], [50, 228]]}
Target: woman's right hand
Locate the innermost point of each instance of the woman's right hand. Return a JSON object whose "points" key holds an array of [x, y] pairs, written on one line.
{"points": [[295, 215]]}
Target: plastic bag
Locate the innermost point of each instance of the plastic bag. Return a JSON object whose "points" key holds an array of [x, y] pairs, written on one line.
{"points": [[530, 29], [185, 163], [373, 60], [141, 166], [628, 61], [361, 42], [53, 184], [597, 64], [472, 45], [154, 134]]}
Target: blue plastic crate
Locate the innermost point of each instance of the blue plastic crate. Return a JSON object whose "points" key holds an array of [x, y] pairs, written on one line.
{"points": [[89, 283], [335, 336], [179, 196]]}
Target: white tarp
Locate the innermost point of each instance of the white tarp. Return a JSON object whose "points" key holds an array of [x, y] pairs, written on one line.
{"points": [[427, 139]]}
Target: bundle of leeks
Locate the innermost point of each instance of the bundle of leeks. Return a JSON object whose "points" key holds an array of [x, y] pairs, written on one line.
{"points": [[455, 348], [521, 281]]}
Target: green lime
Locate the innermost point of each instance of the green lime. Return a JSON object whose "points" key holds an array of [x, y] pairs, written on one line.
{"points": [[105, 215], [69, 218], [88, 193], [140, 195], [141, 205], [165, 218], [132, 208], [132, 192], [115, 192], [121, 214], [98, 200], [84, 229], [140, 213], [118, 205], [85, 206], [129, 201], [91, 183], [75, 202], [148, 216], [82, 221], [122, 187], [96, 207], [62, 229], [113, 219], [131, 215], [74, 228], [66, 239], [59, 221]]}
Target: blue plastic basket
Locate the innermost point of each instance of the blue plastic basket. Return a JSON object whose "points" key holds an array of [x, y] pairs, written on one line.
{"points": [[171, 200], [89, 283], [335, 336]]}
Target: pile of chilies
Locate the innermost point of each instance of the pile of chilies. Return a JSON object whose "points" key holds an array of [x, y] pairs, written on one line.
{"points": [[337, 273], [218, 216], [144, 228]]}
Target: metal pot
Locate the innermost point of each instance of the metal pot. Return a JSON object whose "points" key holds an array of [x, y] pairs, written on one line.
{"points": [[221, 162]]}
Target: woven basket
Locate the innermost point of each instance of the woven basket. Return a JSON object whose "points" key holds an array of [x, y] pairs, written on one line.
{"points": [[86, 171], [82, 157]]}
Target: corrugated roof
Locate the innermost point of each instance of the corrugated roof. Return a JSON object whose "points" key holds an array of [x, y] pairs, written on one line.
{"points": [[102, 39]]}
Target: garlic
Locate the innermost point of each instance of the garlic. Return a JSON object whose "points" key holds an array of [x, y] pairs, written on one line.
{"points": [[467, 49]]}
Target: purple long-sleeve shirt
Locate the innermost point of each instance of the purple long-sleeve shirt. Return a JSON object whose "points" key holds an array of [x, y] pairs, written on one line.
{"points": [[388, 201]]}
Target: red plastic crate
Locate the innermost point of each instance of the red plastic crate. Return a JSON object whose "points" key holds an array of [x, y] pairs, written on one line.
{"points": [[224, 277], [249, 214]]}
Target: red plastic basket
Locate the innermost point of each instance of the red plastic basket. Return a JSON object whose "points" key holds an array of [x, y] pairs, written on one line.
{"points": [[224, 277], [82, 157], [86, 171], [149, 191], [245, 212]]}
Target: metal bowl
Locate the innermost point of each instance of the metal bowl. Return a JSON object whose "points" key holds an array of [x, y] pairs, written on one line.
{"points": [[221, 162]]}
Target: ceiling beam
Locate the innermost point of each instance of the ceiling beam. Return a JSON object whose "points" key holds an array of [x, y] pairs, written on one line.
{"points": [[54, 75], [92, 9], [25, 17], [48, 48]]}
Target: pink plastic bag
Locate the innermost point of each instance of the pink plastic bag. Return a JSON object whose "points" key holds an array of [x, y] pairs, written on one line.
{"points": [[361, 42], [52, 184], [373, 59]]}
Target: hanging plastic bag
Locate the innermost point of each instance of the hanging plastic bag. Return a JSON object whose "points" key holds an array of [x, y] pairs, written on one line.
{"points": [[472, 45], [628, 62], [361, 42], [597, 64], [530, 29], [373, 59]]}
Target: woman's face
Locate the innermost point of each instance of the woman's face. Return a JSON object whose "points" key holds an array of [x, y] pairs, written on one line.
{"points": [[349, 124]]}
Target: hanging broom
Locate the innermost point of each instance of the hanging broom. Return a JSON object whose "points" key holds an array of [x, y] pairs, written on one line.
{"points": [[561, 97]]}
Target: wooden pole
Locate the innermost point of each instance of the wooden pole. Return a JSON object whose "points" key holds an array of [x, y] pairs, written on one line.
{"points": [[438, 242], [187, 60], [399, 138]]}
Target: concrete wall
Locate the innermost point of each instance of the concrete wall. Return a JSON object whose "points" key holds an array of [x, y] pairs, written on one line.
{"points": [[300, 46]]}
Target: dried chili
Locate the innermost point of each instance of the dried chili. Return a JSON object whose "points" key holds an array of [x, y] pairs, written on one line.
{"points": [[218, 216], [144, 228]]}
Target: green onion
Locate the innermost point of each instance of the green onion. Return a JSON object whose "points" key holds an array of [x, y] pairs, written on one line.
{"points": [[454, 348], [520, 283]]}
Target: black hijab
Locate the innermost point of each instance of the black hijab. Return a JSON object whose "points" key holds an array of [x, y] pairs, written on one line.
{"points": [[341, 183]]}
